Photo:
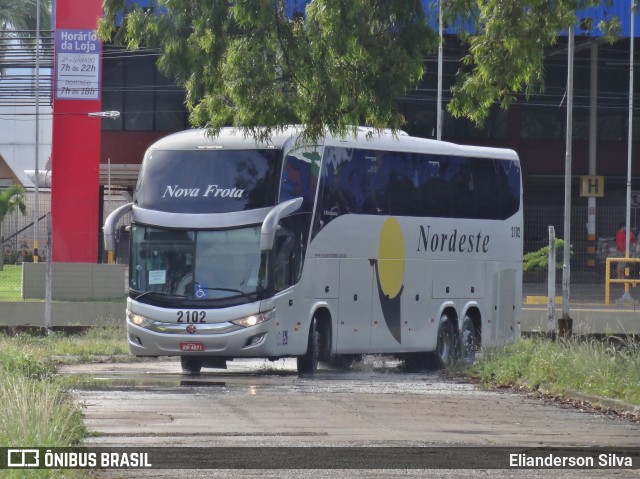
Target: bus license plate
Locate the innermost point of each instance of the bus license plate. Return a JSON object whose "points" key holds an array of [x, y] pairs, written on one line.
{"points": [[191, 346]]}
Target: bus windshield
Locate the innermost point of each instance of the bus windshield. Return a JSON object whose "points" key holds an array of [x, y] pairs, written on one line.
{"points": [[187, 265]]}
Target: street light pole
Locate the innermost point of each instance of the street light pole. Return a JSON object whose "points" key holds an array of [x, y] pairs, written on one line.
{"points": [[439, 105], [626, 294], [566, 261], [36, 206]]}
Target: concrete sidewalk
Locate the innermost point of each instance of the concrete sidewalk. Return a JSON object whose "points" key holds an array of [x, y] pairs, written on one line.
{"points": [[587, 308]]}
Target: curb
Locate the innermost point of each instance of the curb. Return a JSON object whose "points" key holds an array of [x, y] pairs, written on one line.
{"points": [[607, 403], [614, 404]]}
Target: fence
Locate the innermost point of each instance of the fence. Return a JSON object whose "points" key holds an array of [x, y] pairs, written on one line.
{"points": [[17, 247], [18, 231], [538, 219]]}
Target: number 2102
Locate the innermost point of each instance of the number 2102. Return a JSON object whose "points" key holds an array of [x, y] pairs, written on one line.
{"points": [[191, 316]]}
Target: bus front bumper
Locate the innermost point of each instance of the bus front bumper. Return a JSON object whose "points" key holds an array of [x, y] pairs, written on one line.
{"points": [[211, 339]]}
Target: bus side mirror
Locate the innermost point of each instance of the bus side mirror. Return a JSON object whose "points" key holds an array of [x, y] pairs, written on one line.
{"points": [[110, 225], [270, 223]]}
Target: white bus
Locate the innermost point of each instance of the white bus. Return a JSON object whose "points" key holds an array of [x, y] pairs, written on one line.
{"points": [[324, 252]]}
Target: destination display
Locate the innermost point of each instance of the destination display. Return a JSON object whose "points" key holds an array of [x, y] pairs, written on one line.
{"points": [[208, 181]]}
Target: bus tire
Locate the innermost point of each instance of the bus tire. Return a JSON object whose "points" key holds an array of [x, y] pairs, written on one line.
{"points": [[468, 342], [444, 354], [308, 362], [191, 364]]}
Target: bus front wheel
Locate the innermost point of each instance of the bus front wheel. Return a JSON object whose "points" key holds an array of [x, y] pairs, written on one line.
{"points": [[308, 362], [191, 364]]}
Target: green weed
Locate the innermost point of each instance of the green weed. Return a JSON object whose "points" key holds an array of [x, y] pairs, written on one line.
{"points": [[609, 368]]}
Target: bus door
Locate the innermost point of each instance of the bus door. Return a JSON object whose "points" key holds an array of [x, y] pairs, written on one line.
{"points": [[505, 312], [354, 321]]}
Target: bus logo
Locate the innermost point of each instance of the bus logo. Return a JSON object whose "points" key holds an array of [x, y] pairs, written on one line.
{"points": [[389, 268]]}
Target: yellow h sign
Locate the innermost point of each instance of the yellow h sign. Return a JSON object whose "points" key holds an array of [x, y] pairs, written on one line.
{"points": [[592, 186]]}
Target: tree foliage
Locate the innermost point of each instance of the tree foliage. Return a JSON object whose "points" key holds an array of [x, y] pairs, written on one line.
{"points": [[257, 62], [507, 49], [12, 199], [338, 63], [19, 17]]}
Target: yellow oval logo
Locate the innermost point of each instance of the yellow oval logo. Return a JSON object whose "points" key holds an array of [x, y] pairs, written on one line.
{"points": [[391, 256]]}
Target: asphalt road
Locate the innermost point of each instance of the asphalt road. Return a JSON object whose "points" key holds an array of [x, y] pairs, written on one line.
{"points": [[259, 404]]}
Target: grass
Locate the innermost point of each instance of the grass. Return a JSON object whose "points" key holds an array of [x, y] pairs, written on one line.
{"points": [[11, 283], [39, 413], [609, 369], [107, 339], [37, 410]]}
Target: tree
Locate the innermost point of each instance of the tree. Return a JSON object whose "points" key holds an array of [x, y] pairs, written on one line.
{"points": [[507, 49], [338, 63], [19, 18], [11, 200], [20, 15]]}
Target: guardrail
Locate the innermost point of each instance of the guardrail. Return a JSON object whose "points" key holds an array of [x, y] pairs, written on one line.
{"points": [[626, 281]]}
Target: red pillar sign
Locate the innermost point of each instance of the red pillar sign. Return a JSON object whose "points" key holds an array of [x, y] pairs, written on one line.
{"points": [[75, 158]]}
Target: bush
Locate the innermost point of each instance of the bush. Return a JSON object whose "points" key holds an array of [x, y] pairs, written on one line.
{"points": [[607, 368], [539, 260]]}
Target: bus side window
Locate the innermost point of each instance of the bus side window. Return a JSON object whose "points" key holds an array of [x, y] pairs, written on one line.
{"points": [[288, 251], [284, 250]]}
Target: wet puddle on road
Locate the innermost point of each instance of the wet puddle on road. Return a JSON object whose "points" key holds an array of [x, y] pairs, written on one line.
{"points": [[113, 381], [253, 376], [167, 375], [90, 382]]}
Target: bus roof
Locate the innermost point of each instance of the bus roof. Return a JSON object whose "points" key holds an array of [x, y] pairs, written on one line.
{"points": [[235, 138]]}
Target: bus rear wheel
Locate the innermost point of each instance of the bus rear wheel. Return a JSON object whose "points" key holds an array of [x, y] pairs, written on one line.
{"points": [[468, 341], [191, 364], [308, 362]]}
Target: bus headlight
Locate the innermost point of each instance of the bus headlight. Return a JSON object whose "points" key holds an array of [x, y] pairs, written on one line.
{"points": [[255, 319], [138, 319]]}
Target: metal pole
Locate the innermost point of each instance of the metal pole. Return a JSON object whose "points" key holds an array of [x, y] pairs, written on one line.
{"points": [[109, 184], [36, 207], [439, 106], [626, 294], [48, 278], [566, 270], [593, 136], [551, 284]]}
